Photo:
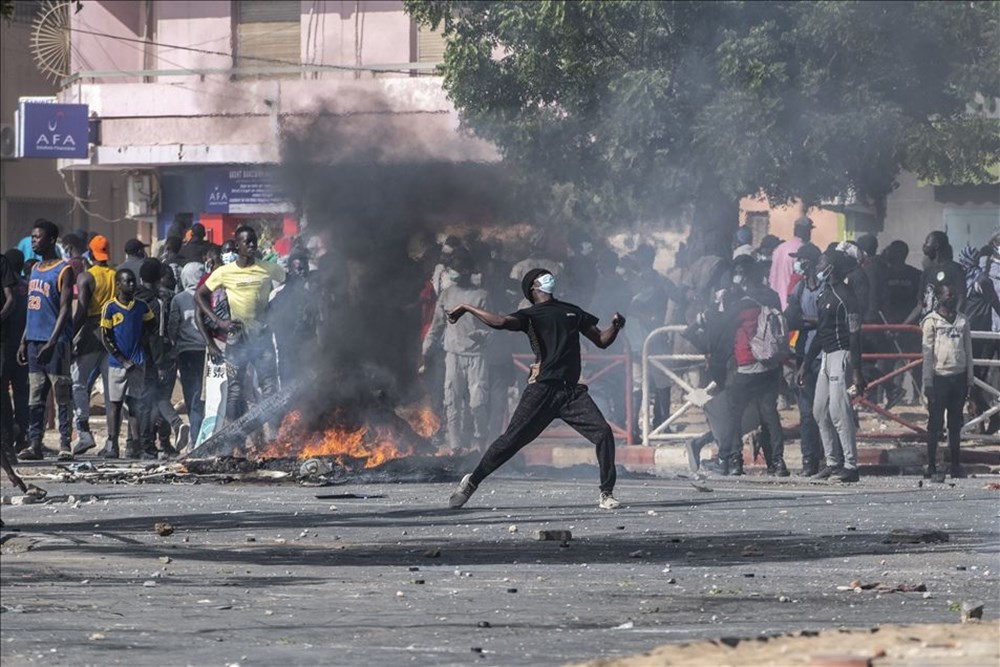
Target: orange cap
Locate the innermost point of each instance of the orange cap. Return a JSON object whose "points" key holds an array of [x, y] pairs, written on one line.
{"points": [[99, 248]]}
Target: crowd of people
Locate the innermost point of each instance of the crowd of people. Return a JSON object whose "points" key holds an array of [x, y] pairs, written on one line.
{"points": [[780, 323]]}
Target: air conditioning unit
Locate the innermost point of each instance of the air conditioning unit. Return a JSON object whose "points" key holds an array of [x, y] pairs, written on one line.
{"points": [[8, 142], [142, 196]]}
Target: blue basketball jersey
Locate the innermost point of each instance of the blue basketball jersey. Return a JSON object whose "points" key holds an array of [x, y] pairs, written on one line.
{"points": [[44, 300]]}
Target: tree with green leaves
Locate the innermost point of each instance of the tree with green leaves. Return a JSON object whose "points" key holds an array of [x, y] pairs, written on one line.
{"points": [[646, 107]]}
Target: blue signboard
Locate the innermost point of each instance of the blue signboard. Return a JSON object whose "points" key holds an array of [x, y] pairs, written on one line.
{"points": [[54, 130], [243, 190]]}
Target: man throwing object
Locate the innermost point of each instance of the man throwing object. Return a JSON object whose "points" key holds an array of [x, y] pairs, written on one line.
{"points": [[553, 328]]}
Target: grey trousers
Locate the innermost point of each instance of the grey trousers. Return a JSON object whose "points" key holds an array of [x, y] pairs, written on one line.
{"points": [[833, 410], [83, 372], [465, 399]]}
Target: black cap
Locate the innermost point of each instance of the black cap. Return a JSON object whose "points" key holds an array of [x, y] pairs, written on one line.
{"points": [[804, 223], [807, 251], [135, 246]]}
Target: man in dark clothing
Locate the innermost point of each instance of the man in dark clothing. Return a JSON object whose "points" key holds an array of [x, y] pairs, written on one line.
{"points": [[899, 294], [135, 255], [838, 340], [554, 329], [940, 269], [753, 385], [8, 283], [194, 250], [172, 258], [293, 314], [16, 375]]}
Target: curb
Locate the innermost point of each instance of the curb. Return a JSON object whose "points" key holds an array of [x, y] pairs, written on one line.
{"points": [[665, 460]]}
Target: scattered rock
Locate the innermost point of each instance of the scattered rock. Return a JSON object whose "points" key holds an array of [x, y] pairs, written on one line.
{"points": [[149, 584], [512, 528], [483, 624], [511, 590], [23, 500], [163, 528], [904, 536], [729, 641], [671, 580], [627, 625], [418, 581], [752, 550], [432, 553], [96, 636], [553, 535], [638, 554], [414, 568], [166, 559], [972, 612]]}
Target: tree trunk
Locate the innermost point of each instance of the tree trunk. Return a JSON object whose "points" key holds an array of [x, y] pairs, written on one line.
{"points": [[713, 225]]}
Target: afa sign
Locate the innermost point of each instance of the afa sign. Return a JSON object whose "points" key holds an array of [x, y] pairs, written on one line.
{"points": [[243, 190], [53, 130]]}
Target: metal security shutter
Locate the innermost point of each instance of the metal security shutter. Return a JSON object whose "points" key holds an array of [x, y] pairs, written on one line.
{"points": [[430, 45], [268, 33]]}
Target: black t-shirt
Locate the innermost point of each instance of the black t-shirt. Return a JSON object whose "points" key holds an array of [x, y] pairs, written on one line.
{"points": [[949, 273], [554, 329], [839, 317], [7, 280], [900, 291]]}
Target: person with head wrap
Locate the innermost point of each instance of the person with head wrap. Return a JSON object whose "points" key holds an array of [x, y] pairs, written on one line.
{"points": [[187, 345], [838, 346], [466, 379], [554, 391]]}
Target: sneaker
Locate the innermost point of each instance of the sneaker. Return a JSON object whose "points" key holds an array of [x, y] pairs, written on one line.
{"points": [[930, 472], [780, 469], [958, 472], [716, 467], [110, 450], [847, 475], [462, 494], [84, 442], [65, 454], [167, 452], [33, 453], [148, 454], [183, 435], [608, 502], [827, 471]]}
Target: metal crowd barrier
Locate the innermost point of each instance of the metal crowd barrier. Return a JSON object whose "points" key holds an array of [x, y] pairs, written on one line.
{"points": [[696, 397]]}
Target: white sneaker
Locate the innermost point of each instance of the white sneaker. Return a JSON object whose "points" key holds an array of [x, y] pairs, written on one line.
{"points": [[608, 502], [462, 494], [182, 436]]}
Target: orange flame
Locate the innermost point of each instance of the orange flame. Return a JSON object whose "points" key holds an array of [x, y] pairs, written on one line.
{"points": [[373, 444], [424, 422]]}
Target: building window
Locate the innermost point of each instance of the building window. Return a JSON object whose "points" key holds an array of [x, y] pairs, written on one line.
{"points": [[430, 45], [268, 34], [25, 11]]}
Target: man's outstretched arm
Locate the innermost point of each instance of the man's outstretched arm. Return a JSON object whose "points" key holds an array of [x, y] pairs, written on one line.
{"points": [[492, 320], [603, 338]]}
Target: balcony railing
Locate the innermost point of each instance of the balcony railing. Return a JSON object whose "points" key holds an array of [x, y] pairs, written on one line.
{"points": [[401, 68]]}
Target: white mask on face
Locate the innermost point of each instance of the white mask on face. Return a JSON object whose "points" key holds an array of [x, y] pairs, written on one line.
{"points": [[798, 268], [738, 279], [452, 275], [547, 283], [229, 257]]}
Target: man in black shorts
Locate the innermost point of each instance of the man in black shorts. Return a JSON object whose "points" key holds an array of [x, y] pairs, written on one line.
{"points": [[554, 328]]}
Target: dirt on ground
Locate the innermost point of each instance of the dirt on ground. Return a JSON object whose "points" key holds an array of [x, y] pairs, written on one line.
{"points": [[942, 645]]}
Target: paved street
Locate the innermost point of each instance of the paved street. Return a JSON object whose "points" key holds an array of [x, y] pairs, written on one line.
{"points": [[264, 574]]}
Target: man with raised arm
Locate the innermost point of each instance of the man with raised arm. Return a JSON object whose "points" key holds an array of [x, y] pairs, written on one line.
{"points": [[554, 328]]}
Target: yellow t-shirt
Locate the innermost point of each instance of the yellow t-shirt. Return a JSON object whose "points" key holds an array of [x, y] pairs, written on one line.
{"points": [[247, 288], [104, 288]]}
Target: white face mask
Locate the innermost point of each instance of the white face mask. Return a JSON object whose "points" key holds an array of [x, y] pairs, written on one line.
{"points": [[798, 268], [229, 257], [452, 275], [738, 279]]}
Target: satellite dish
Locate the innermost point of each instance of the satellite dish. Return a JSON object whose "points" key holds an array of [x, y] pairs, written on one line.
{"points": [[50, 40]]}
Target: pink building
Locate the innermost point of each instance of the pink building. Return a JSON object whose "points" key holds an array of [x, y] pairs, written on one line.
{"points": [[193, 97]]}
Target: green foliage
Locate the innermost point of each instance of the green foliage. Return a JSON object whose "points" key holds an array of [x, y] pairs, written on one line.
{"points": [[643, 106]]}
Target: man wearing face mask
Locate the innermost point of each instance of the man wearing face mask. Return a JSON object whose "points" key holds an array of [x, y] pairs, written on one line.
{"points": [[838, 345], [465, 368], [802, 314], [248, 283], [553, 392], [939, 269]]}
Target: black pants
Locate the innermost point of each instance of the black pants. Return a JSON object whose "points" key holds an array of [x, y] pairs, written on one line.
{"points": [[810, 443], [949, 392], [540, 404], [757, 392], [191, 366]]}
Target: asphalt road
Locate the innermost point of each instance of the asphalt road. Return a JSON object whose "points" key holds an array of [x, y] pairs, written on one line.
{"points": [[267, 574]]}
